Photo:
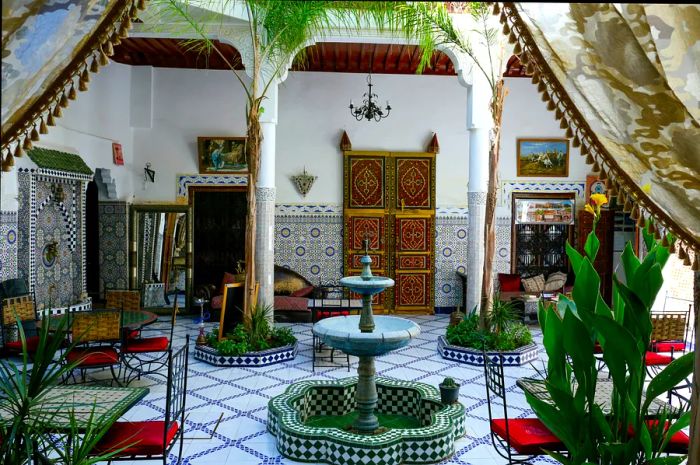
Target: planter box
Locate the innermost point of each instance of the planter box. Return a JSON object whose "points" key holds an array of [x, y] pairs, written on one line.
{"points": [[252, 359], [475, 357]]}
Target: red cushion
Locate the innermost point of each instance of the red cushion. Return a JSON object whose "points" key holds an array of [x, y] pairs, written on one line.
{"points": [[147, 344], [679, 442], [32, 344], [509, 282], [93, 356], [597, 348], [216, 302], [527, 435], [227, 279], [144, 437], [330, 313], [303, 292], [667, 346], [654, 359], [287, 302]]}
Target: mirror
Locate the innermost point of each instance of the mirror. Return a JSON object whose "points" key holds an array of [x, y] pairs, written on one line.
{"points": [[161, 253]]}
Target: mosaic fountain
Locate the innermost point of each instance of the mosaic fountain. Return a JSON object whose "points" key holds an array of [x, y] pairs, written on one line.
{"points": [[365, 420]]}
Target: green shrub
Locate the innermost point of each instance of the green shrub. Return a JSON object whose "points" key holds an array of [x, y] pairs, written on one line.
{"points": [[468, 334], [256, 336]]}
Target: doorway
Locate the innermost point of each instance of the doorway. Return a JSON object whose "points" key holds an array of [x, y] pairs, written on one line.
{"points": [[219, 216]]}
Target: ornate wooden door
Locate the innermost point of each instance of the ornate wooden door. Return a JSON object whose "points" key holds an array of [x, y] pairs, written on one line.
{"points": [[389, 199]]}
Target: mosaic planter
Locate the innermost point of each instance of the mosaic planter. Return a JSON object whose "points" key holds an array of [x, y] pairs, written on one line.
{"points": [[475, 357], [252, 359], [430, 443]]}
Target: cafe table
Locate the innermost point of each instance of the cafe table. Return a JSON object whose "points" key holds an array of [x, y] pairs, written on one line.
{"points": [[603, 395], [57, 404], [131, 319]]}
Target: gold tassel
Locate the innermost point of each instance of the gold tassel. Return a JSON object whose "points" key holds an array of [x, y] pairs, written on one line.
{"points": [[126, 22], [664, 241], [27, 143], [496, 7], [686, 260], [133, 12], [584, 149], [506, 29], [589, 159], [103, 60], [57, 112], [34, 135], [603, 175], [141, 5], [85, 76], [18, 151], [8, 162], [627, 208], [63, 101], [696, 263], [530, 69], [681, 252], [657, 234], [72, 94], [596, 166], [551, 105], [558, 114], [545, 96], [123, 30], [672, 246], [541, 87], [49, 119], [576, 142], [610, 185], [640, 221], [517, 49], [107, 48], [563, 123], [116, 40], [525, 59], [82, 85], [42, 127], [635, 213], [652, 227], [569, 133], [94, 67], [512, 38]]}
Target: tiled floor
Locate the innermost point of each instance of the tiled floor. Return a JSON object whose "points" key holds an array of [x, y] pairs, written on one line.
{"points": [[242, 394]]}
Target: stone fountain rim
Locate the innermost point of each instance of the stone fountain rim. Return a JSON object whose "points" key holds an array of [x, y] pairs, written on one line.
{"points": [[289, 417], [407, 333]]}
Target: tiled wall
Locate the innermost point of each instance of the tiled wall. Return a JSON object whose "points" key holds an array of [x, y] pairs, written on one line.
{"points": [[46, 217], [114, 243], [309, 240], [8, 245]]}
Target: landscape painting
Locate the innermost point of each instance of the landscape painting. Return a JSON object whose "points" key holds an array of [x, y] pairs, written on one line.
{"points": [[543, 157], [222, 155]]}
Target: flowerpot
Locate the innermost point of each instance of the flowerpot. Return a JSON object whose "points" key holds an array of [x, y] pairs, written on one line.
{"points": [[449, 394]]}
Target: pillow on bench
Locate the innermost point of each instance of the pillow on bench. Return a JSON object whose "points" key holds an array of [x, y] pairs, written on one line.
{"points": [[509, 282], [534, 285], [555, 281]]}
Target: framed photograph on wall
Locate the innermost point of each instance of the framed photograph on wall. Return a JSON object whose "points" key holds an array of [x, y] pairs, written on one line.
{"points": [[543, 157], [549, 210], [595, 185], [222, 155], [117, 155]]}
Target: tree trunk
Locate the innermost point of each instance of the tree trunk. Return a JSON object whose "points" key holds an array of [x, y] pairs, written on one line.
{"points": [[253, 155], [694, 451], [490, 213]]}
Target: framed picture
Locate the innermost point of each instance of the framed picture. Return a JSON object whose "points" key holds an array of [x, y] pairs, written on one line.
{"points": [[543, 210], [222, 155], [117, 155], [543, 157], [231, 308], [594, 185]]}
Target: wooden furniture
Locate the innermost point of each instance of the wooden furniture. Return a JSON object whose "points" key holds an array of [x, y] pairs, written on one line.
{"points": [[337, 303], [233, 310], [131, 319], [58, 404], [19, 309], [154, 439], [515, 439], [389, 199], [539, 237], [604, 260]]}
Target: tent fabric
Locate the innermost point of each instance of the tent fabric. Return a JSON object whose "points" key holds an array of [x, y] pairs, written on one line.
{"points": [[48, 47], [625, 82]]}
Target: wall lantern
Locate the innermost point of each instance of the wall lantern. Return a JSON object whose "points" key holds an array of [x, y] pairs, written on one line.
{"points": [[303, 182]]}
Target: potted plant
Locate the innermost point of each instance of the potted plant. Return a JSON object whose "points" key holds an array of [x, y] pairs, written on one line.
{"points": [[449, 391]]}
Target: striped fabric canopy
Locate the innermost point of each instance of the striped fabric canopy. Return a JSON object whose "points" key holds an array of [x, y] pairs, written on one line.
{"points": [[624, 81]]}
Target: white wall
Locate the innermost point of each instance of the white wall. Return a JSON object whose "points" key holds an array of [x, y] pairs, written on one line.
{"points": [[313, 112], [88, 127]]}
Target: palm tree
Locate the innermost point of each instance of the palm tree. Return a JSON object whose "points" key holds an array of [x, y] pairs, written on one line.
{"points": [[278, 31]]}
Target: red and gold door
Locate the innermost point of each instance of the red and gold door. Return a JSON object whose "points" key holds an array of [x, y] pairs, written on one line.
{"points": [[389, 199]]}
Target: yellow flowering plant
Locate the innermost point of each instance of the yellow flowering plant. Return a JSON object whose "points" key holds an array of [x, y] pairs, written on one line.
{"points": [[592, 243]]}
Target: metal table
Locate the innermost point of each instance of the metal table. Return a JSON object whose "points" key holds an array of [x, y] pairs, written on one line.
{"points": [[131, 319], [101, 403], [603, 395]]}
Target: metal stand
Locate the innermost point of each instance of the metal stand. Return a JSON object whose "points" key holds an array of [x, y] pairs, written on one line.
{"points": [[201, 338]]}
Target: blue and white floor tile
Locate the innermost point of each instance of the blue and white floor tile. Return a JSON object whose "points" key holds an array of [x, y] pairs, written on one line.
{"points": [[242, 394]]}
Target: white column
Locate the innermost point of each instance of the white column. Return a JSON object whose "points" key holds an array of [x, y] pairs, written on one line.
{"points": [[479, 124], [265, 199]]}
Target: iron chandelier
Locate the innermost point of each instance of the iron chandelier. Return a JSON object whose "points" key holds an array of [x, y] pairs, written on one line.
{"points": [[369, 109]]}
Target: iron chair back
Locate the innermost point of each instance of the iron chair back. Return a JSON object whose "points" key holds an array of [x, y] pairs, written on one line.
{"points": [[96, 326], [670, 326], [176, 395], [16, 310], [496, 386], [123, 299]]}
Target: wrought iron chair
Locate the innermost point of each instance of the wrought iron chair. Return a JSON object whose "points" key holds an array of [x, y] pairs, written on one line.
{"points": [[20, 309], [154, 440], [668, 334], [95, 335], [517, 440], [147, 355], [333, 298], [123, 299]]}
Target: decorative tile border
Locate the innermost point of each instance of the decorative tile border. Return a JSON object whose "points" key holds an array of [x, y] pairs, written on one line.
{"points": [[8, 245], [431, 443], [300, 209], [79, 307], [253, 359], [506, 188], [475, 357], [185, 180]]}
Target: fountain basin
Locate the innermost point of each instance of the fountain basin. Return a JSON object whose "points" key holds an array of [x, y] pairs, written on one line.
{"points": [[342, 332], [366, 285], [306, 401]]}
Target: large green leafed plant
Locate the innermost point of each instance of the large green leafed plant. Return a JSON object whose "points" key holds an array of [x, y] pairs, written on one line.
{"points": [[570, 332]]}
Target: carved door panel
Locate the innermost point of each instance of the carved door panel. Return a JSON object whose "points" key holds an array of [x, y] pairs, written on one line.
{"points": [[389, 199]]}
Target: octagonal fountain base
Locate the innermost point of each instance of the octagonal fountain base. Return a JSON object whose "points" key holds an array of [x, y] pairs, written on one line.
{"points": [[309, 423]]}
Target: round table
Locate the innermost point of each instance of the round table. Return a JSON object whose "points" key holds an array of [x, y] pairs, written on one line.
{"points": [[131, 319]]}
